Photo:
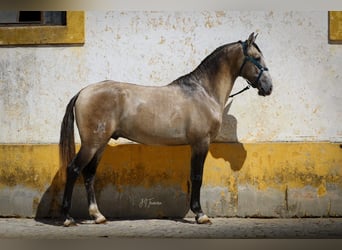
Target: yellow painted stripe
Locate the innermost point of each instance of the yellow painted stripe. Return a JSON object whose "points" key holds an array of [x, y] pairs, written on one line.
{"points": [[263, 165], [274, 165]]}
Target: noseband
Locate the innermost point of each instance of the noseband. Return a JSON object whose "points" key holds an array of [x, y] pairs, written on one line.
{"points": [[254, 61]]}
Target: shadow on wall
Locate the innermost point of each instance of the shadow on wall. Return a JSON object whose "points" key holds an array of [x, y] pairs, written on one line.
{"points": [[139, 181], [50, 203], [229, 142]]}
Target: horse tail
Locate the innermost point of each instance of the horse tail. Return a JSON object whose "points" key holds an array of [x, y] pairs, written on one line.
{"points": [[67, 140]]}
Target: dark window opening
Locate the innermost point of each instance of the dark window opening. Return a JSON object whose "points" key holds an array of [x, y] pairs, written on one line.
{"points": [[30, 16], [23, 18]]}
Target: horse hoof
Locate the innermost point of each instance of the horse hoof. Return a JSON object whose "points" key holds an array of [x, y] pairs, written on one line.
{"points": [[69, 222], [101, 220], [204, 219]]}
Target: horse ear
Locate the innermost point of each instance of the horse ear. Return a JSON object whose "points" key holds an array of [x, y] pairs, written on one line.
{"points": [[251, 38]]}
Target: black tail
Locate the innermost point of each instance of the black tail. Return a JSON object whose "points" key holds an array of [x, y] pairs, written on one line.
{"points": [[67, 140]]}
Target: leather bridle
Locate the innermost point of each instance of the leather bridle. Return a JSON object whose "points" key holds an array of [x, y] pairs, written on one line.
{"points": [[248, 58]]}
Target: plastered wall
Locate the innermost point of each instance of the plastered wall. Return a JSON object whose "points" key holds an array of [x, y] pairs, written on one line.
{"points": [[154, 48], [287, 161]]}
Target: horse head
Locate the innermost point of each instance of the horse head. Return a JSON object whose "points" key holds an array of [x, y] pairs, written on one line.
{"points": [[253, 67]]}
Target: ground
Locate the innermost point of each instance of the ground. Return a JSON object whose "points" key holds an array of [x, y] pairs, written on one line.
{"points": [[221, 228]]}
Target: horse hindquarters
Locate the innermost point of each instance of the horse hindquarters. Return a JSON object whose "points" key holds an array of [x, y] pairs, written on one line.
{"points": [[86, 161]]}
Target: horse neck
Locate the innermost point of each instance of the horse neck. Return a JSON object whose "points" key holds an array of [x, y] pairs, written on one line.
{"points": [[220, 72]]}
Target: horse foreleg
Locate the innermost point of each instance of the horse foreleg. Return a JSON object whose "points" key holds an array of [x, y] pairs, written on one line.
{"points": [[198, 155], [89, 178]]}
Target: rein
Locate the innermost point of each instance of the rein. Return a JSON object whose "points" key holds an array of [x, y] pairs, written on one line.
{"points": [[243, 90], [256, 63]]}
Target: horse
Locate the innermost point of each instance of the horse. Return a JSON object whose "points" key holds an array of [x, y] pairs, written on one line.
{"points": [[187, 111]]}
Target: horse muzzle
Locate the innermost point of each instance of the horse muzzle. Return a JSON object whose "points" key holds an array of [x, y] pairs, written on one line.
{"points": [[265, 88]]}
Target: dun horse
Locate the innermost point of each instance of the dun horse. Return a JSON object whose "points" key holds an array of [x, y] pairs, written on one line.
{"points": [[186, 111]]}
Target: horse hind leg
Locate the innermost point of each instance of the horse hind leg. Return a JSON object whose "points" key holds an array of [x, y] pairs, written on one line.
{"points": [[89, 178], [75, 167]]}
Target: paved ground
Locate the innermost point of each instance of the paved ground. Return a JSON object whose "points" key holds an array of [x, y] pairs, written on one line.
{"points": [[222, 228]]}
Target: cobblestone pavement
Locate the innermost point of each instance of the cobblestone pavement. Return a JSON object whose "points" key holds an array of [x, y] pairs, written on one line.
{"points": [[221, 228]]}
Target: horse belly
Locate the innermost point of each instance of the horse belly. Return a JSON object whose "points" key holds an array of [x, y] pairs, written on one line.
{"points": [[156, 138], [155, 125]]}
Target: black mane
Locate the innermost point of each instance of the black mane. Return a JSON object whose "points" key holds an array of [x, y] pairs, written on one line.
{"points": [[256, 46], [214, 58], [189, 82]]}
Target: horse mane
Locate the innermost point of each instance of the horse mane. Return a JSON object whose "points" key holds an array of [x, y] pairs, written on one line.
{"points": [[189, 82], [212, 59], [256, 46]]}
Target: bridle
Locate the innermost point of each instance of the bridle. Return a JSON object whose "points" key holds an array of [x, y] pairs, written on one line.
{"points": [[256, 63]]}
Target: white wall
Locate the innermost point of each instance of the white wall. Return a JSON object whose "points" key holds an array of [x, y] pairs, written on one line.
{"points": [[154, 48]]}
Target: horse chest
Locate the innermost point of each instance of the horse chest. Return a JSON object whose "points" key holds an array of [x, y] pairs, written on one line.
{"points": [[204, 121]]}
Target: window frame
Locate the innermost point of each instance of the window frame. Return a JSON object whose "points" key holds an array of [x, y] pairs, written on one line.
{"points": [[335, 27], [70, 34]]}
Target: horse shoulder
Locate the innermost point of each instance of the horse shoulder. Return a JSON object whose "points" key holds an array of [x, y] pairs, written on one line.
{"points": [[205, 116]]}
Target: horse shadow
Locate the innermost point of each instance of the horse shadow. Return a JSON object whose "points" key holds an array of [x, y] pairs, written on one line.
{"points": [[48, 209], [230, 149], [226, 146]]}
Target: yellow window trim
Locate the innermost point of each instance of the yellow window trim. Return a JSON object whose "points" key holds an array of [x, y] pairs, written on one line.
{"points": [[71, 33], [335, 26]]}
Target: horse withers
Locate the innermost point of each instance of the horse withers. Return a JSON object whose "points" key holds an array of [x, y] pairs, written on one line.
{"points": [[188, 111]]}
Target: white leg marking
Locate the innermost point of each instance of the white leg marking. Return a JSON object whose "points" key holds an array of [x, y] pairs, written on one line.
{"points": [[94, 211], [204, 219], [69, 222]]}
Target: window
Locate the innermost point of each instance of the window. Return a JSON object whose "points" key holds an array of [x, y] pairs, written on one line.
{"points": [[335, 26], [41, 27], [21, 18]]}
